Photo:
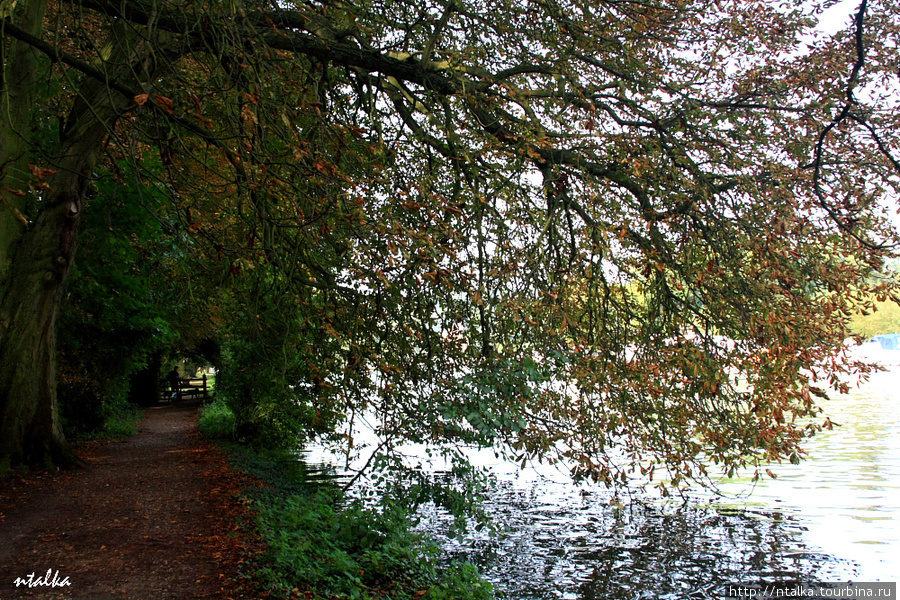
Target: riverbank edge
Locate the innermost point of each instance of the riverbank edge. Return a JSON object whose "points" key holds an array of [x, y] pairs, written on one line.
{"points": [[308, 543]]}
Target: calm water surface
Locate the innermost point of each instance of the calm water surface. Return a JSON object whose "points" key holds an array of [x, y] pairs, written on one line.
{"points": [[835, 517], [847, 493]]}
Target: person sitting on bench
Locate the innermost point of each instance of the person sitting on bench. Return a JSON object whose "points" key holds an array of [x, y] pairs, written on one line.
{"points": [[174, 378]]}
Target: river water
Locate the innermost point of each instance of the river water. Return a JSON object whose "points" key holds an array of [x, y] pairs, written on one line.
{"points": [[834, 517]]}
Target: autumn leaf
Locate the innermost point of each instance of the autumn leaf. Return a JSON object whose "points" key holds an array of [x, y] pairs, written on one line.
{"points": [[164, 103]]}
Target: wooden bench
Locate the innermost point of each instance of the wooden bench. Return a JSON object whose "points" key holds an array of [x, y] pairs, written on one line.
{"points": [[190, 389]]}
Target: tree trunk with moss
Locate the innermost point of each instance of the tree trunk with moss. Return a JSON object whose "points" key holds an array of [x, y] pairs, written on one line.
{"points": [[30, 429]]}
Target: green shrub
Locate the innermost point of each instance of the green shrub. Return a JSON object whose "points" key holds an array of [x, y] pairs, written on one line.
{"points": [[267, 402], [356, 552], [117, 421], [217, 421], [121, 423], [461, 576], [317, 541]]}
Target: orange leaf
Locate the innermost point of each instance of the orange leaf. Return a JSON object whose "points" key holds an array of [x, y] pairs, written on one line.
{"points": [[141, 99], [164, 103], [14, 192]]}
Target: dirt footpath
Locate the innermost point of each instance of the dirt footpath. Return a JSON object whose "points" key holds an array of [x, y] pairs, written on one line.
{"points": [[153, 517]]}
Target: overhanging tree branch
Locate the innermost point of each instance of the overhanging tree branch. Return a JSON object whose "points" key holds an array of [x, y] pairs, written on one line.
{"points": [[846, 223], [420, 72], [57, 55]]}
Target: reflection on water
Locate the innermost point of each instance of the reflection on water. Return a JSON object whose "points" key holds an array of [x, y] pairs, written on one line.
{"points": [[834, 517], [583, 548]]}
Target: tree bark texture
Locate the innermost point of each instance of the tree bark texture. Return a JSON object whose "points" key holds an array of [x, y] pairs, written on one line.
{"points": [[30, 431], [18, 64]]}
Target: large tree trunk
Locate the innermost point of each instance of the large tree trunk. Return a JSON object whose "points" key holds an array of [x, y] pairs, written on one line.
{"points": [[30, 431]]}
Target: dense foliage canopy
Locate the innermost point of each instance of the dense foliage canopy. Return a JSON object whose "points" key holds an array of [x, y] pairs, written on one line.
{"points": [[627, 234]]}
